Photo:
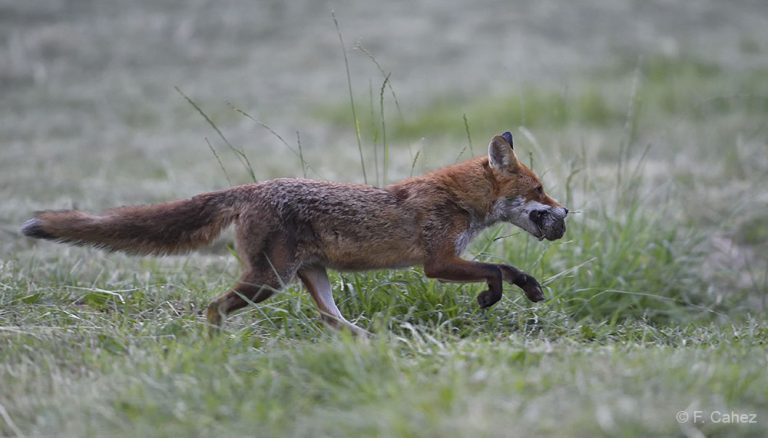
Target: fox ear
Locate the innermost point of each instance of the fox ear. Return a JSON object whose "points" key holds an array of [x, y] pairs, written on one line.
{"points": [[500, 153]]}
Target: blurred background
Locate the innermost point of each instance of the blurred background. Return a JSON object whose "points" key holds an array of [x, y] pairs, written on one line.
{"points": [[87, 87]]}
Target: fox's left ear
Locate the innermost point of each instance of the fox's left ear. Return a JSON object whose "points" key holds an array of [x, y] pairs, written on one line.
{"points": [[501, 156]]}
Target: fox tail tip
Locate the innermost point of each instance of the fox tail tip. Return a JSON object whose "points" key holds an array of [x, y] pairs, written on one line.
{"points": [[34, 228]]}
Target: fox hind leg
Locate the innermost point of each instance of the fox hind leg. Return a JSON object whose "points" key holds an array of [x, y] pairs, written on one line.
{"points": [[266, 274], [252, 288], [316, 280]]}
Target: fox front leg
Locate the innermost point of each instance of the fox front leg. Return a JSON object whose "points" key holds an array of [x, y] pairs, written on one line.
{"points": [[457, 269], [510, 274], [460, 270], [524, 281]]}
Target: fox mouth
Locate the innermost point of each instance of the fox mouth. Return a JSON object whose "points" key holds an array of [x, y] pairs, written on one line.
{"points": [[538, 220]]}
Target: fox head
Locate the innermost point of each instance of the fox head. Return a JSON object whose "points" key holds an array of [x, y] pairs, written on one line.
{"points": [[520, 197]]}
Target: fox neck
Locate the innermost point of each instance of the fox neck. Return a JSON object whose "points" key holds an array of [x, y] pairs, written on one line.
{"points": [[474, 189]]}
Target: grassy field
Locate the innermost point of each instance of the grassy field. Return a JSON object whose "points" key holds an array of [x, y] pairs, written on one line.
{"points": [[655, 322]]}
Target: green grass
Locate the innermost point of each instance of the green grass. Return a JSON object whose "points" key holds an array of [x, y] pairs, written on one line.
{"points": [[443, 117], [682, 88], [142, 364]]}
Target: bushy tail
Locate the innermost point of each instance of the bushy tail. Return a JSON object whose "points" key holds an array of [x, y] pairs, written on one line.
{"points": [[167, 228]]}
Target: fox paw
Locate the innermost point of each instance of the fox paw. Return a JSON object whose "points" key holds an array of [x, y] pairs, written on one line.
{"points": [[215, 319], [532, 288], [487, 299]]}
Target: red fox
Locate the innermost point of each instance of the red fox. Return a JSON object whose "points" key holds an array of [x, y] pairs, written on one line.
{"points": [[298, 227]]}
